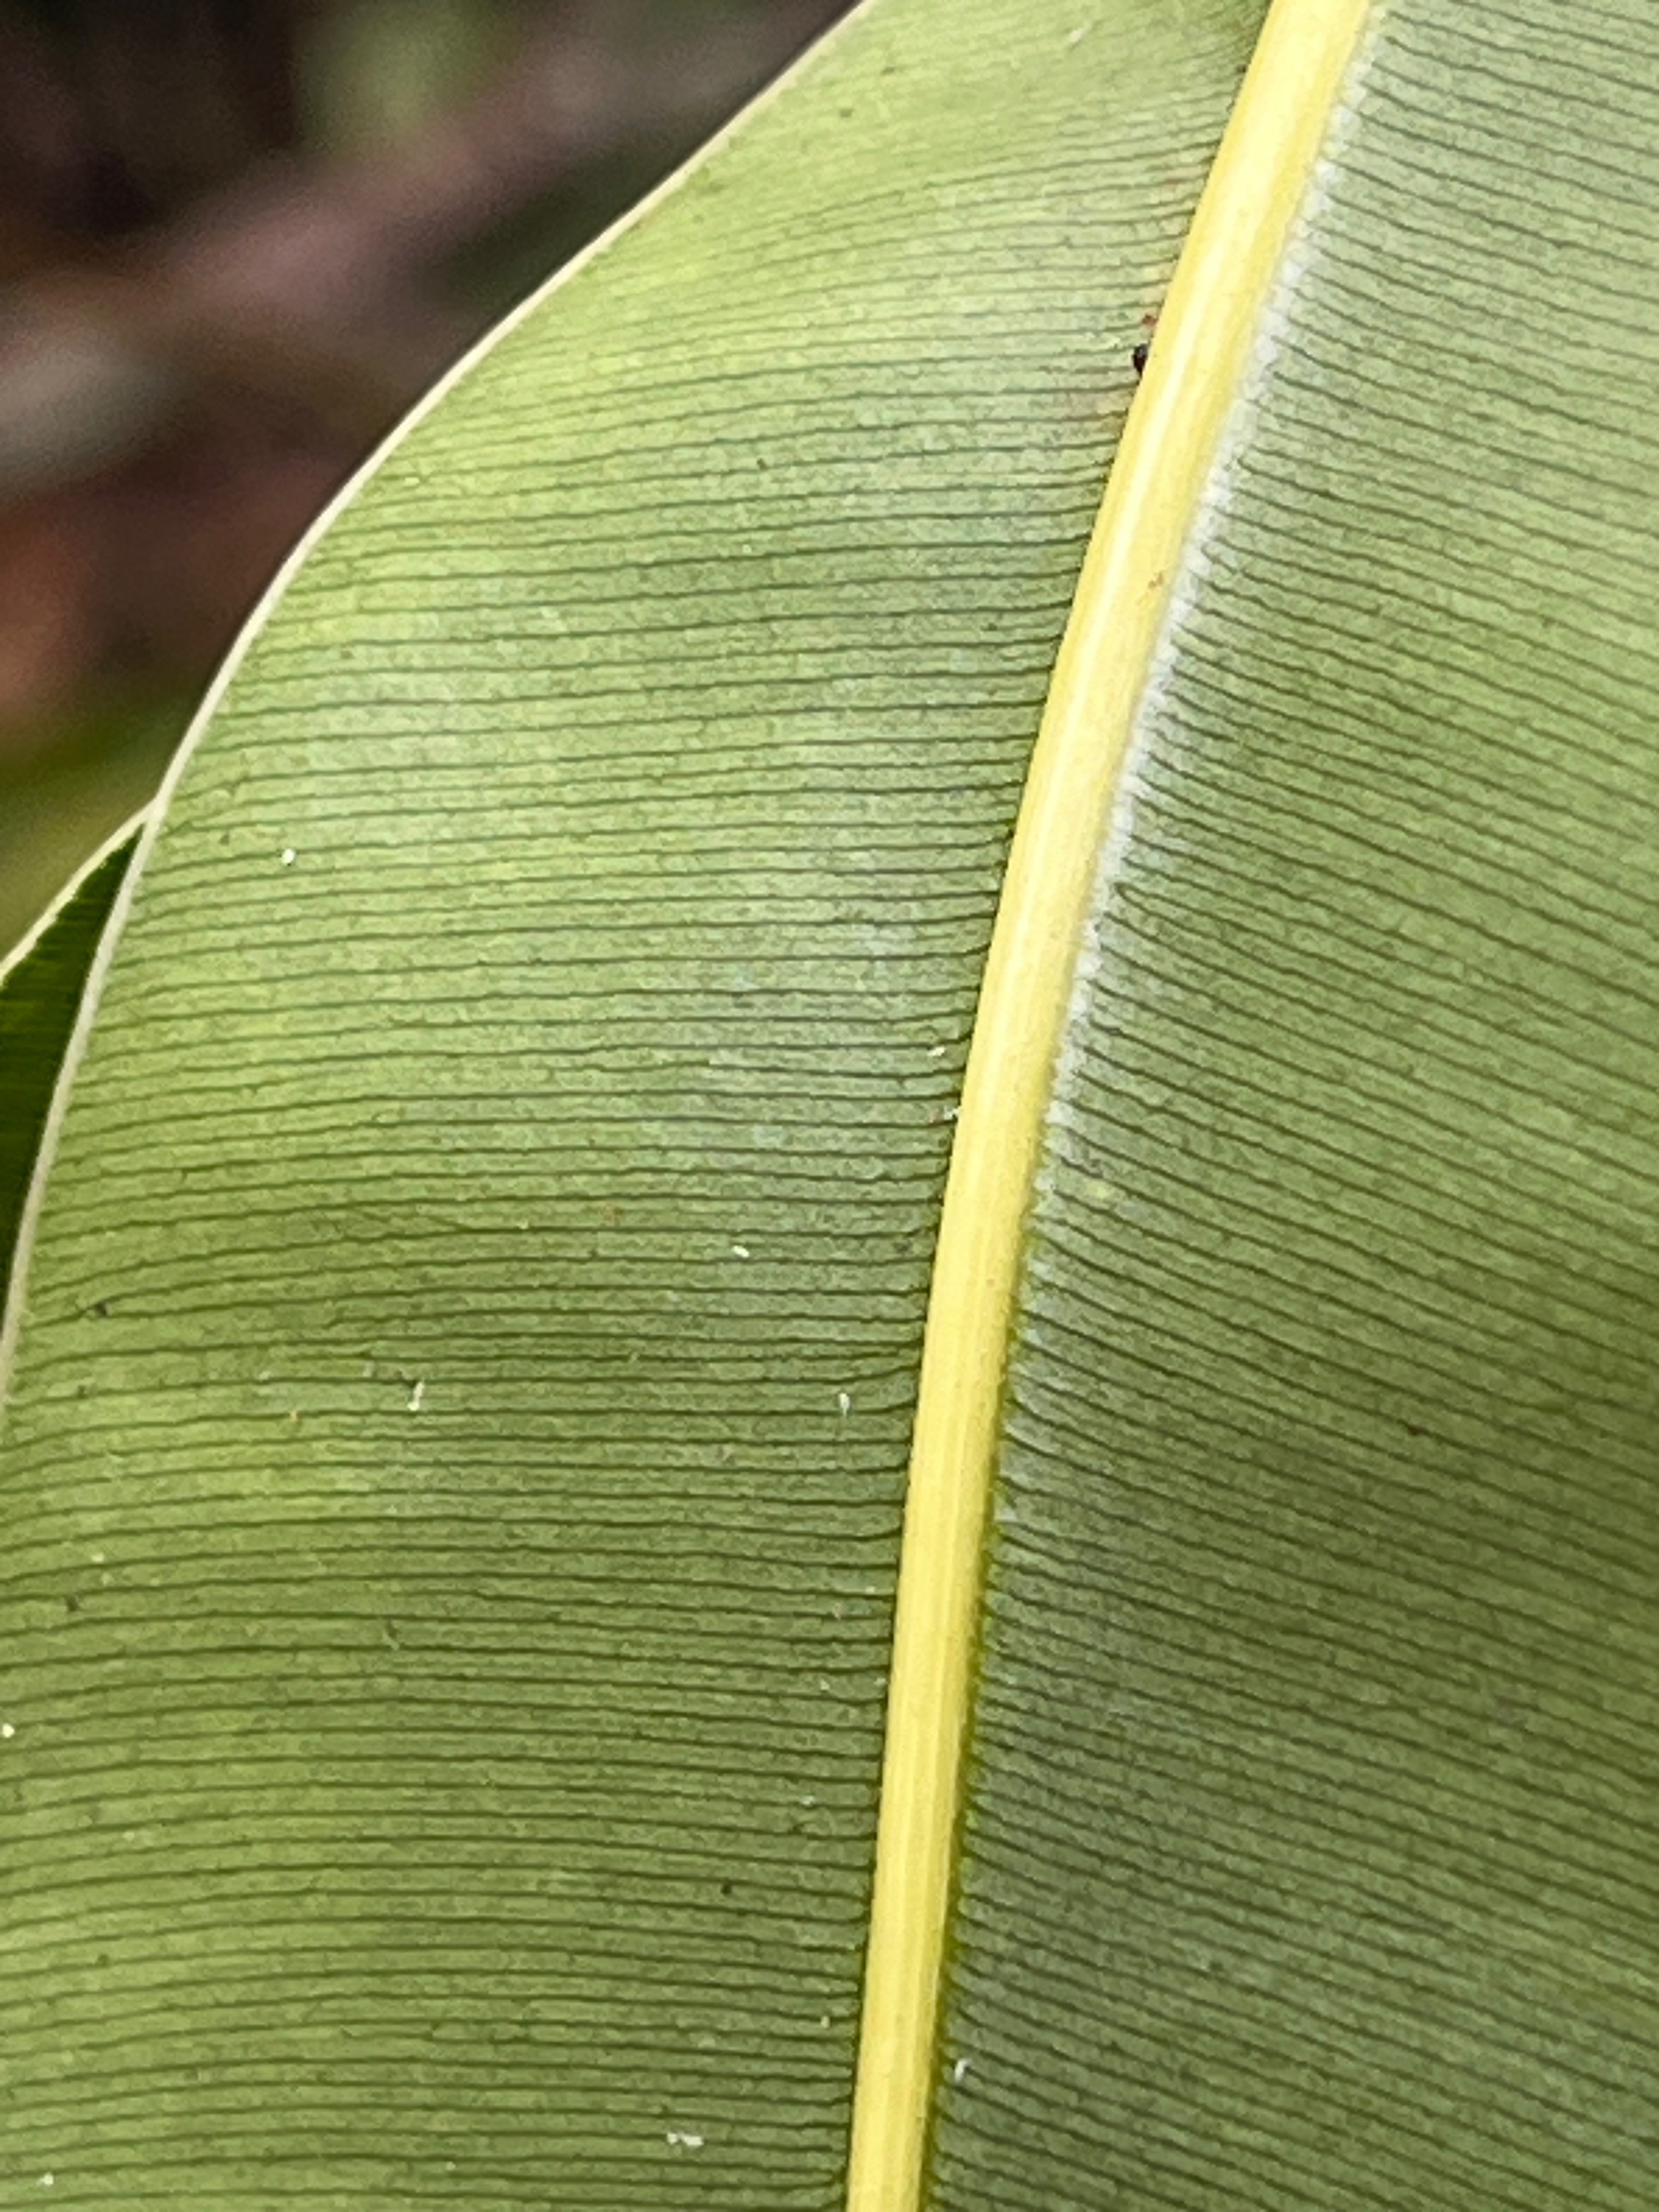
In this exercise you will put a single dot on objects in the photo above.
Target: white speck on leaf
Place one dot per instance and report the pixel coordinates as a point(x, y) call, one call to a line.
point(289, 856)
point(416, 1397)
point(7, 1731)
point(844, 1400)
point(682, 2139)
point(47, 2180)
point(739, 1251)
point(936, 1051)
point(959, 2071)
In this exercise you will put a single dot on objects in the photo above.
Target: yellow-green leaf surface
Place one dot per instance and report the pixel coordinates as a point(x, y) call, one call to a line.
point(1308, 1856)
point(41, 987)
point(457, 1439)
point(498, 1245)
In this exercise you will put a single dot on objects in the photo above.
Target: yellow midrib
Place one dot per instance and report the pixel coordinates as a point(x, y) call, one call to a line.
point(1205, 336)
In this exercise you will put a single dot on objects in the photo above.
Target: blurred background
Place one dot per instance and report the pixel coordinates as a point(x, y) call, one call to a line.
point(237, 238)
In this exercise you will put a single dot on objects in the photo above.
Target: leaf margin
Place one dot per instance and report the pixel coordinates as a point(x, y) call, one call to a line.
point(155, 816)
point(36, 942)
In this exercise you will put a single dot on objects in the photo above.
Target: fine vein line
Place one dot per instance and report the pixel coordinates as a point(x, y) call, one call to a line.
point(1205, 339)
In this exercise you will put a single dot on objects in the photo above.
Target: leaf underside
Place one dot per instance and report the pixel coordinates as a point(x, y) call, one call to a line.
point(457, 1439)
point(1308, 1850)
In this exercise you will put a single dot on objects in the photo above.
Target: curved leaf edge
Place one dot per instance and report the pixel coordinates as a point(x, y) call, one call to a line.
point(42, 984)
point(19, 1244)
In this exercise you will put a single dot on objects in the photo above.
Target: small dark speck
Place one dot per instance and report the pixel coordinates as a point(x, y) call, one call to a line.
point(1138, 356)
point(71, 1604)
point(101, 1308)
point(1412, 1429)
point(726, 1888)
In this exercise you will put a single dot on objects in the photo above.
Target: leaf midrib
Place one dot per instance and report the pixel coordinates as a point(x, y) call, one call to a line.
point(1076, 804)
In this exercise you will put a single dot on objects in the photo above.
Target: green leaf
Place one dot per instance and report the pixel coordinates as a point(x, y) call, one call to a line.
point(500, 1240)
point(457, 1439)
point(41, 987)
point(1308, 1849)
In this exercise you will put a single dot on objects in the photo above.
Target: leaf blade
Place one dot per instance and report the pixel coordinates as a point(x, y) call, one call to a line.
point(508, 1153)
point(40, 985)
point(1306, 1854)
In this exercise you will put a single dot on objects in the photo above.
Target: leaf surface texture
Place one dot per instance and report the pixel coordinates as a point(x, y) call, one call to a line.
point(1307, 1856)
point(458, 1431)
